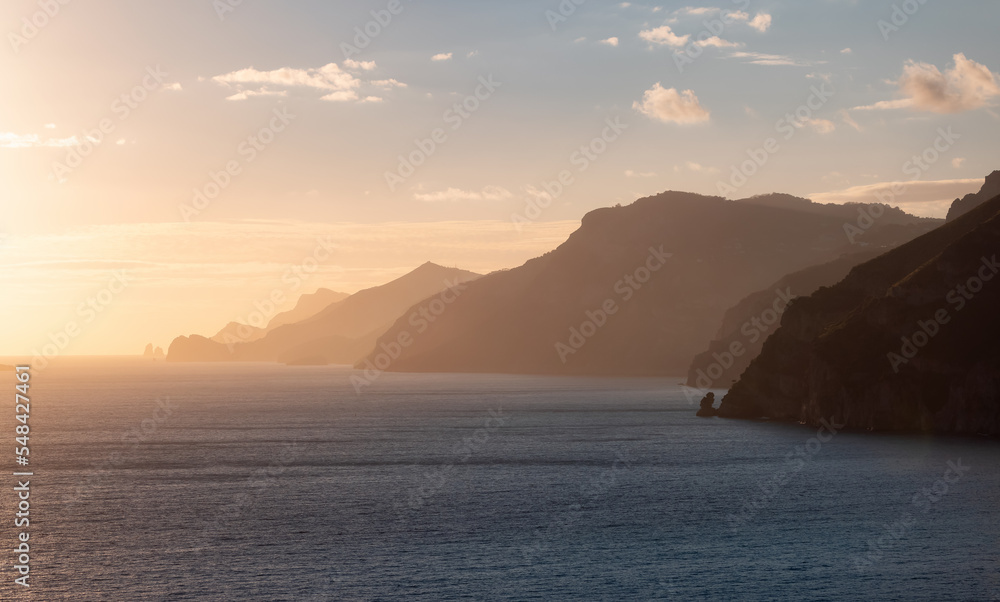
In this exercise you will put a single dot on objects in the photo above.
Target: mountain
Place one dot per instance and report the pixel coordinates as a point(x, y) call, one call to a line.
point(340, 333)
point(306, 307)
point(906, 342)
point(238, 332)
point(970, 201)
point(887, 215)
point(636, 290)
point(750, 322)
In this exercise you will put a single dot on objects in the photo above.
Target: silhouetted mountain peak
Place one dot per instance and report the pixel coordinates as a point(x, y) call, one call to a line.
point(780, 200)
point(990, 189)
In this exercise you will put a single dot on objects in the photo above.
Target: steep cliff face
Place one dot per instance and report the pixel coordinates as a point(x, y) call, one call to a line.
point(750, 322)
point(906, 342)
point(970, 201)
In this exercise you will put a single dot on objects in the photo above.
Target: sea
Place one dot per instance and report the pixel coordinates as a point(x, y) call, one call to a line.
point(162, 481)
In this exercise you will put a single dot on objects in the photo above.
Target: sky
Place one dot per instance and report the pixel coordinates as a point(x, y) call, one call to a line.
point(204, 147)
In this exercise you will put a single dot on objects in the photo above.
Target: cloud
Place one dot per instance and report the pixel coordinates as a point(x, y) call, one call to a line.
point(327, 77)
point(695, 11)
point(846, 51)
point(664, 36)
point(885, 105)
point(670, 106)
point(610, 41)
point(846, 118)
point(966, 86)
point(362, 65)
point(174, 87)
point(760, 58)
point(717, 42)
point(388, 83)
point(245, 94)
point(12, 140)
point(823, 126)
point(695, 167)
point(639, 174)
point(761, 22)
point(335, 84)
point(50, 126)
point(488, 193)
point(957, 162)
point(444, 56)
point(928, 198)
point(341, 96)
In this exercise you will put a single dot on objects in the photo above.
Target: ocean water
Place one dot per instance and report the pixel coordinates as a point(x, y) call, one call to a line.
point(158, 481)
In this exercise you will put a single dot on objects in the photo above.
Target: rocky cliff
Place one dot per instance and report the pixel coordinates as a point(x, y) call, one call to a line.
point(906, 342)
point(970, 201)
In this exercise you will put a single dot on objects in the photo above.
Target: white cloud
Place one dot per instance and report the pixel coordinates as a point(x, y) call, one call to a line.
point(336, 84)
point(372, 100)
point(717, 42)
point(174, 87)
point(761, 22)
point(885, 105)
point(846, 51)
point(444, 56)
point(388, 83)
point(488, 193)
point(610, 41)
point(966, 86)
point(695, 11)
point(664, 36)
point(760, 58)
point(245, 94)
point(670, 106)
point(927, 198)
point(471, 54)
point(327, 77)
point(50, 126)
point(341, 96)
point(361, 65)
point(12, 140)
point(823, 126)
point(957, 162)
point(639, 174)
